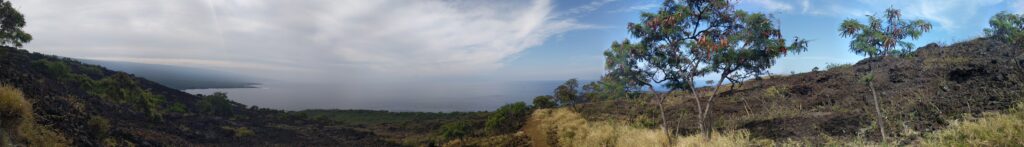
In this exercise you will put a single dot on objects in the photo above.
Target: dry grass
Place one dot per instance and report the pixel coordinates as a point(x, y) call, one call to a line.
point(569, 129)
point(561, 127)
point(18, 123)
point(990, 130)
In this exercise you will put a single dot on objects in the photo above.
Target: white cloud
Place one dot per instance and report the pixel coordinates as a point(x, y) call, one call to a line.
point(386, 36)
point(593, 5)
point(771, 5)
point(643, 7)
point(1018, 6)
point(948, 14)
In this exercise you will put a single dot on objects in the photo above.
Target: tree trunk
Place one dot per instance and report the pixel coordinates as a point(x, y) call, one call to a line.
point(878, 112)
point(661, 108)
point(707, 110)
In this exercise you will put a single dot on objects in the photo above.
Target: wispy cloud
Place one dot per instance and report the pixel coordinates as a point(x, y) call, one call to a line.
point(422, 37)
point(589, 7)
point(643, 7)
point(771, 5)
point(1018, 6)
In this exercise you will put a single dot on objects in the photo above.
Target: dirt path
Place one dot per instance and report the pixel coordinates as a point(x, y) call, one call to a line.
point(534, 130)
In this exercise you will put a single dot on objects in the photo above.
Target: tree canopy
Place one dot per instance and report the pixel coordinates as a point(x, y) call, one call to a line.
point(1007, 26)
point(11, 22)
point(685, 39)
point(882, 37)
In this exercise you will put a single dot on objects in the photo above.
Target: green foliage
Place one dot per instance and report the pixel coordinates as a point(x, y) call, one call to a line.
point(123, 88)
point(831, 66)
point(751, 50)
point(99, 126)
point(178, 108)
point(990, 130)
point(11, 22)
point(567, 93)
point(457, 129)
point(507, 118)
point(1007, 26)
point(239, 132)
point(605, 89)
point(217, 104)
point(545, 101)
point(882, 37)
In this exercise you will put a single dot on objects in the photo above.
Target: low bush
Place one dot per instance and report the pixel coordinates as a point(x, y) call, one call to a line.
point(124, 89)
point(508, 118)
point(239, 131)
point(99, 127)
point(457, 129)
point(217, 104)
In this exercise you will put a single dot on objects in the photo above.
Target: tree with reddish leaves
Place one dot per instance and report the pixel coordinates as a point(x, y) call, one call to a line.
point(686, 39)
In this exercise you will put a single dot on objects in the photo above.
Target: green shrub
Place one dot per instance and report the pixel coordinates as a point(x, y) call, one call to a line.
point(545, 101)
point(457, 129)
point(178, 108)
point(124, 89)
point(216, 104)
point(508, 118)
point(240, 131)
point(99, 126)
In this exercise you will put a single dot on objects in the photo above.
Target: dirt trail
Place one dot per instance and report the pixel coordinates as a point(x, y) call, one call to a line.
point(535, 132)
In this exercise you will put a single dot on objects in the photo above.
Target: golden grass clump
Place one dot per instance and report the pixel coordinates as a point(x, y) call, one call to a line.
point(14, 109)
point(561, 127)
point(18, 123)
point(989, 130)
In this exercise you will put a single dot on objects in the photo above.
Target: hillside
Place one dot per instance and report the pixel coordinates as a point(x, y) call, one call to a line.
point(88, 105)
point(919, 93)
point(178, 77)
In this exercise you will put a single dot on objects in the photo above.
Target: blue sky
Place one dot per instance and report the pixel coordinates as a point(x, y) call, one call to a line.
point(425, 55)
point(578, 52)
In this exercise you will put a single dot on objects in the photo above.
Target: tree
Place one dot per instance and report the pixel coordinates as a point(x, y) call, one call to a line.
point(879, 39)
point(11, 22)
point(686, 39)
point(507, 118)
point(544, 101)
point(882, 37)
point(567, 93)
point(1007, 26)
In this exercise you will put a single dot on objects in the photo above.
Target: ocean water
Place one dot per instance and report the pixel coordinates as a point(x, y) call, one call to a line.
point(423, 98)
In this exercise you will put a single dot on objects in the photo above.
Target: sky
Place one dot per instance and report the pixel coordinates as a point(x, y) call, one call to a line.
point(398, 49)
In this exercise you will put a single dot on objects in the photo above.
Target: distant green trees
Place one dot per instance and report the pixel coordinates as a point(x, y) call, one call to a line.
point(216, 104)
point(11, 22)
point(1007, 26)
point(544, 101)
point(883, 37)
point(567, 94)
point(507, 118)
point(688, 39)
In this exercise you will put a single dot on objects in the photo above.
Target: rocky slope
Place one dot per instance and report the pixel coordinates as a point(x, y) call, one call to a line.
point(918, 93)
point(66, 95)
